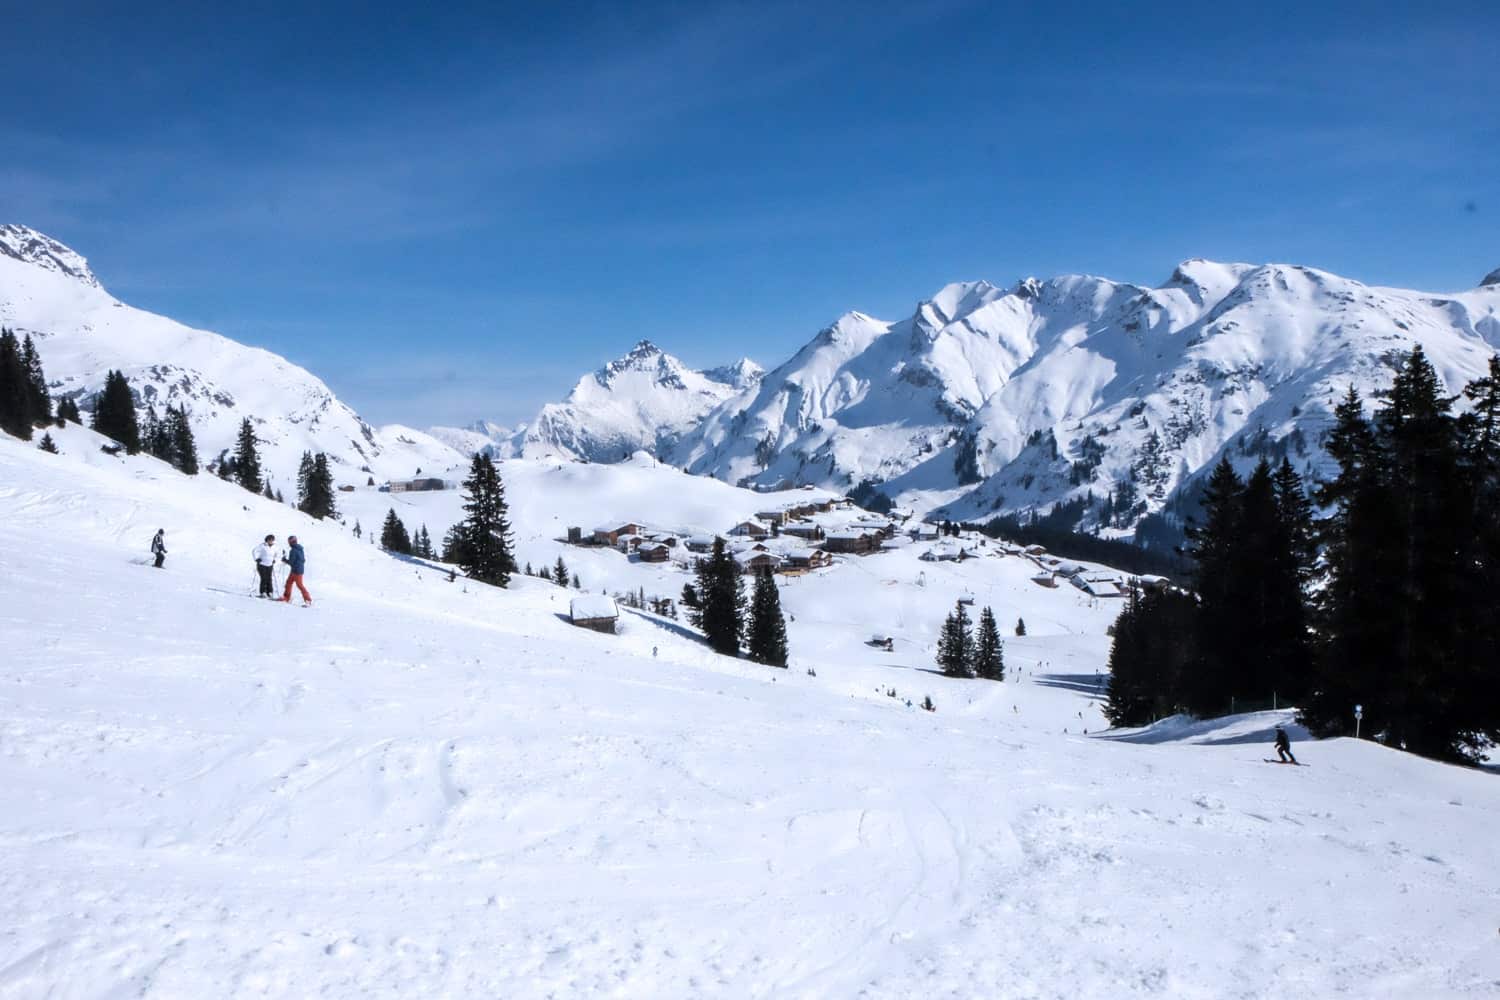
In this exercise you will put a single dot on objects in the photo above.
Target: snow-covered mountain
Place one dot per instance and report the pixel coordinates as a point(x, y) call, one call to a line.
point(988, 401)
point(644, 401)
point(81, 332)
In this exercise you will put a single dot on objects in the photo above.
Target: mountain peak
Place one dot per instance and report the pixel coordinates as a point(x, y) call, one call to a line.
point(740, 374)
point(31, 247)
point(1493, 278)
point(956, 300)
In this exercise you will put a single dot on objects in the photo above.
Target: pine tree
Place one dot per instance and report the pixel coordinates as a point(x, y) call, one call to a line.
point(722, 593)
point(114, 412)
point(246, 458)
point(1222, 633)
point(184, 448)
point(989, 652)
point(268, 493)
point(455, 547)
point(39, 399)
point(1020, 626)
point(393, 536)
point(67, 409)
point(578, 584)
point(315, 493)
point(486, 532)
point(545, 573)
point(304, 482)
point(47, 444)
point(690, 600)
point(15, 389)
point(560, 572)
point(955, 653)
point(1151, 653)
point(767, 632)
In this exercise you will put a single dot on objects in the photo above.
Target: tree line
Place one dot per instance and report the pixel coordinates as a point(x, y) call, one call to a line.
point(1385, 600)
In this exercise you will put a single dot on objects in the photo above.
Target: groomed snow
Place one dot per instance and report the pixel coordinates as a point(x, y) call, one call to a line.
point(421, 788)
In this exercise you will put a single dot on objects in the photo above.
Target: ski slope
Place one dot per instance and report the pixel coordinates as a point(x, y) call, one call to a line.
point(421, 788)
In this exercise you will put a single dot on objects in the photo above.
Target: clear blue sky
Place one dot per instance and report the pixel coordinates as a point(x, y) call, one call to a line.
point(452, 213)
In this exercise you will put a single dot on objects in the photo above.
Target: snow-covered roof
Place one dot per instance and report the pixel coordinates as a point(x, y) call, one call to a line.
point(593, 606)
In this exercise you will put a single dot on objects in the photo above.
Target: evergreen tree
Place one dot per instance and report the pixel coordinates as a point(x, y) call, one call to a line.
point(154, 440)
point(67, 409)
point(114, 412)
point(689, 600)
point(39, 399)
point(989, 652)
point(486, 531)
point(246, 458)
point(15, 389)
point(578, 584)
point(455, 547)
point(48, 445)
point(1151, 653)
point(560, 572)
point(1020, 626)
point(304, 482)
point(315, 493)
point(1221, 622)
point(393, 536)
point(722, 594)
point(184, 448)
point(955, 653)
point(766, 642)
point(545, 573)
point(268, 493)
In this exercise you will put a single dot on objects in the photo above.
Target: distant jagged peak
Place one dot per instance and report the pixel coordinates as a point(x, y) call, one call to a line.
point(1493, 278)
point(959, 299)
point(740, 374)
point(643, 357)
point(31, 247)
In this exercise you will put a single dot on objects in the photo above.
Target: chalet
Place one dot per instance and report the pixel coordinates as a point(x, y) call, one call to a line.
point(416, 485)
point(857, 542)
point(628, 543)
point(1036, 550)
point(946, 551)
point(610, 534)
point(699, 543)
point(594, 611)
point(654, 552)
point(805, 530)
point(760, 562)
point(750, 529)
point(924, 533)
point(804, 560)
point(776, 517)
point(346, 488)
point(1097, 584)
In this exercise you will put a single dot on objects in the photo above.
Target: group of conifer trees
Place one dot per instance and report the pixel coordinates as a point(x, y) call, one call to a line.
point(171, 439)
point(394, 538)
point(25, 401)
point(717, 605)
point(315, 486)
point(557, 573)
point(964, 652)
point(1386, 602)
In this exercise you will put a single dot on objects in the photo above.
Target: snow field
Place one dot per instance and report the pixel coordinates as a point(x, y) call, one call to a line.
point(425, 788)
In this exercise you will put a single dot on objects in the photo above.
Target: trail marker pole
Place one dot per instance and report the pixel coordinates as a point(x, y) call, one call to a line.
point(1359, 713)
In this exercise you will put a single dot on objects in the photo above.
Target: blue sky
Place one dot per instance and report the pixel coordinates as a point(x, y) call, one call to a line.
point(453, 213)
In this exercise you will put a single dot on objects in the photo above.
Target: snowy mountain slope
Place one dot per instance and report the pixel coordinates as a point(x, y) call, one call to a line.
point(643, 401)
point(1145, 399)
point(422, 788)
point(988, 401)
point(81, 332)
point(482, 436)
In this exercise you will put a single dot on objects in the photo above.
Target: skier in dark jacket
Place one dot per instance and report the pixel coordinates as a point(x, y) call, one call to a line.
point(159, 547)
point(296, 561)
point(1284, 747)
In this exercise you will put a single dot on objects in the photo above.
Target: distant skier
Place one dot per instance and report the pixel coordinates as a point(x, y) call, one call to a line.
point(296, 560)
point(159, 547)
point(265, 560)
point(1284, 747)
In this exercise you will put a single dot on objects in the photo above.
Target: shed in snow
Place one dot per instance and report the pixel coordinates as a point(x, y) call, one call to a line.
point(594, 611)
point(654, 552)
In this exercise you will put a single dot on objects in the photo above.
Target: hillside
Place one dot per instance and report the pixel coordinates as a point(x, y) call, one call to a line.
point(81, 332)
point(419, 787)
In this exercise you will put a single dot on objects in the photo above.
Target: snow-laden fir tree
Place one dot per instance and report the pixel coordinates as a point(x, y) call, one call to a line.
point(47, 444)
point(486, 531)
point(766, 642)
point(247, 458)
point(955, 652)
point(114, 412)
point(15, 393)
point(989, 653)
point(721, 591)
point(39, 398)
point(180, 431)
point(560, 573)
point(393, 536)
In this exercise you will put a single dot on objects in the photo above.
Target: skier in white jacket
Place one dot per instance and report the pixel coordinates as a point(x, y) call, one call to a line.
point(265, 561)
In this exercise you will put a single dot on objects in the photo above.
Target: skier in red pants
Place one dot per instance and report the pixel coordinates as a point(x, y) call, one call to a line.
point(296, 559)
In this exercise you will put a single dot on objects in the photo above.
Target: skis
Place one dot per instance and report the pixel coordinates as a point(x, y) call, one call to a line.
point(1293, 763)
